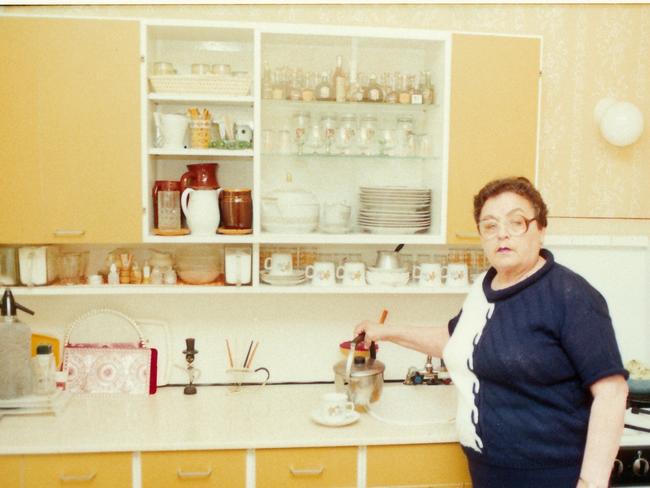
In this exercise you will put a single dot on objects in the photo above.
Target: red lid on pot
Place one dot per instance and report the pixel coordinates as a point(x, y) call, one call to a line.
point(361, 346)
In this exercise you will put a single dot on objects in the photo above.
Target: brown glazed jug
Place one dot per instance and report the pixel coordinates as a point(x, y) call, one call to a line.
point(236, 208)
point(200, 176)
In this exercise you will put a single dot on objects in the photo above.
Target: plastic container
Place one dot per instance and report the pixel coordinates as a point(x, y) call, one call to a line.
point(43, 370)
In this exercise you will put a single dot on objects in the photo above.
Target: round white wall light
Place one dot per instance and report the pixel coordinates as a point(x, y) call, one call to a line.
point(621, 123)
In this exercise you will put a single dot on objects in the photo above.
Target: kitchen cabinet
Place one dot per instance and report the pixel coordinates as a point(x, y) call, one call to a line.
point(224, 469)
point(493, 120)
point(306, 467)
point(97, 470)
point(10, 471)
point(70, 130)
point(433, 465)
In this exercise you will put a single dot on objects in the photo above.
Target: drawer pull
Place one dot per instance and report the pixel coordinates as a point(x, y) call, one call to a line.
point(76, 478)
point(193, 474)
point(467, 235)
point(306, 471)
point(69, 232)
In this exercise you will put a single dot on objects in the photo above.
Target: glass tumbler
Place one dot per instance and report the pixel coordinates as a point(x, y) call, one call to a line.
point(301, 121)
point(328, 124)
point(72, 267)
point(346, 133)
point(368, 135)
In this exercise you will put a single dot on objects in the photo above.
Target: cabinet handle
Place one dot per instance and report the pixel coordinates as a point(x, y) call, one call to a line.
point(306, 471)
point(75, 478)
point(193, 474)
point(467, 235)
point(69, 232)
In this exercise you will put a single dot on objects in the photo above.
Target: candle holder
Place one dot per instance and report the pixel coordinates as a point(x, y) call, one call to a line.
point(192, 373)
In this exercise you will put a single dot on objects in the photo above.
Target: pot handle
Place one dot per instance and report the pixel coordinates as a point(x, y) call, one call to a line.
point(353, 348)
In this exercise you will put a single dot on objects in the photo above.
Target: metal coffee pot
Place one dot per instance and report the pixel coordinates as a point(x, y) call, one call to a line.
point(361, 378)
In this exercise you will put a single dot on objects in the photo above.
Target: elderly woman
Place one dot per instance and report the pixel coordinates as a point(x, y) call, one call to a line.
point(541, 387)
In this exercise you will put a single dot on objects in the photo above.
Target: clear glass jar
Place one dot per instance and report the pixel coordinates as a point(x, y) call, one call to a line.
point(373, 92)
point(346, 133)
point(368, 142)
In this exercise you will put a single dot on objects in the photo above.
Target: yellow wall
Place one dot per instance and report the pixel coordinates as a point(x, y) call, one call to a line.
point(590, 51)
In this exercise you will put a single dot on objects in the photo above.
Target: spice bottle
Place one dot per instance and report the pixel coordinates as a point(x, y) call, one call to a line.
point(43, 370)
point(113, 276)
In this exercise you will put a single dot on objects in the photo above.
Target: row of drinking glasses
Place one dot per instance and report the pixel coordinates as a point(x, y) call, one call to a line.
point(348, 134)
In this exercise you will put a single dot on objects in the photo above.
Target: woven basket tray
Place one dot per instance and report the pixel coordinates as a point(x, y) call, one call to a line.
point(213, 84)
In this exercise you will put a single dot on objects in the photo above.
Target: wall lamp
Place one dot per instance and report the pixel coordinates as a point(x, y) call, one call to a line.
point(621, 123)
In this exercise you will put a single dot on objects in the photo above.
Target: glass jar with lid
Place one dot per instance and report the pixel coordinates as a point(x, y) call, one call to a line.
point(346, 133)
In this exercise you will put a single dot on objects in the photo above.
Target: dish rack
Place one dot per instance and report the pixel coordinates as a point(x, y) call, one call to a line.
point(217, 84)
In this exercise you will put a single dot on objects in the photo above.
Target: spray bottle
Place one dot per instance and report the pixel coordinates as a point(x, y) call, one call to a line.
point(15, 350)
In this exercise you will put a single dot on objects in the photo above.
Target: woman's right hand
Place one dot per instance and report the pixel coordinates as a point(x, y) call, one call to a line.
point(373, 331)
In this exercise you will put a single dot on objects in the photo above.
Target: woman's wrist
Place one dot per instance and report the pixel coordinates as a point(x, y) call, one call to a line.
point(584, 483)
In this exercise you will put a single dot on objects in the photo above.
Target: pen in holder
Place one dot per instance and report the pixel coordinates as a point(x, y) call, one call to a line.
point(192, 373)
point(239, 377)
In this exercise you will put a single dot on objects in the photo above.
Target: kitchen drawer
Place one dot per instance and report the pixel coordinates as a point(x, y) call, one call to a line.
point(194, 468)
point(109, 470)
point(10, 471)
point(308, 467)
point(434, 465)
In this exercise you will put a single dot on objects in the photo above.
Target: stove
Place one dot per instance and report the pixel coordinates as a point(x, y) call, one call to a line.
point(632, 464)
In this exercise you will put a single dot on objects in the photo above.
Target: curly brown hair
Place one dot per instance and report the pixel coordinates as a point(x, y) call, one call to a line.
point(519, 185)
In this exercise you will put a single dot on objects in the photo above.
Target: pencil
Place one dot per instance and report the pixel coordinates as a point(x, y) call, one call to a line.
point(248, 354)
point(230, 364)
point(250, 360)
point(384, 314)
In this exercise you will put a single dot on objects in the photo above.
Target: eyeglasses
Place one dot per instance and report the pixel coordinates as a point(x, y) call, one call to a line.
point(515, 226)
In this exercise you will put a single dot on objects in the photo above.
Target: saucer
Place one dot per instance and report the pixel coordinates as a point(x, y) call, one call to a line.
point(350, 417)
point(283, 280)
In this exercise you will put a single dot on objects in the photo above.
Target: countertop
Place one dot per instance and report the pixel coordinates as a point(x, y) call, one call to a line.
point(272, 416)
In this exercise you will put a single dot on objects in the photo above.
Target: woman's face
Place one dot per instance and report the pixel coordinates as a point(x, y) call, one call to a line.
point(501, 218)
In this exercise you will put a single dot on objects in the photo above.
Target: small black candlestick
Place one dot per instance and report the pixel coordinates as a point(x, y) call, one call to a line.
point(190, 352)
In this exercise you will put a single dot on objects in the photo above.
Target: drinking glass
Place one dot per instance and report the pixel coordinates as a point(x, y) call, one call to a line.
point(368, 135)
point(301, 121)
point(386, 141)
point(346, 133)
point(314, 139)
point(328, 124)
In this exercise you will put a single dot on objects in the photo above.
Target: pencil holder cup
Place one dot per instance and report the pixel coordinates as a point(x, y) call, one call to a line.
point(239, 377)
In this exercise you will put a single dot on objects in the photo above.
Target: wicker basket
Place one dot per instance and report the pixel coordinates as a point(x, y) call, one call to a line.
point(213, 84)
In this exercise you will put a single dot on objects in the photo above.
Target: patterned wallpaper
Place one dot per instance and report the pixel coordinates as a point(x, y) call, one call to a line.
point(590, 52)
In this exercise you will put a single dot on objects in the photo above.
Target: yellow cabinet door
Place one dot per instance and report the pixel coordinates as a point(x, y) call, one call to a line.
point(70, 130)
point(10, 471)
point(435, 465)
point(223, 469)
point(106, 470)
point(493, 120)
point(306, 467)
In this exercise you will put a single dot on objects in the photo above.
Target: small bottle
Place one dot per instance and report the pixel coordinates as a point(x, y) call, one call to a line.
point(416, 91)
point(156, 276)
point(267, 82)
point(113, 275)
point(339, 81)
point(135, 278)
point(373, 92)
point(392, 96)
point(170, 277)
point(308, 93)
point(428, 93)
point(146, 273)
point(43, 370)
point(279, 88)
point(295, 87)
point(404, 90)
point(355, 91)
point(324, 89)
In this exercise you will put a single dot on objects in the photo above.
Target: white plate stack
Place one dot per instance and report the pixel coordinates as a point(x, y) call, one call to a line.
point(394, 209)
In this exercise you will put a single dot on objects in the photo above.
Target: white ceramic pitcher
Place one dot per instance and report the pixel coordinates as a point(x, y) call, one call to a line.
point(201, 211)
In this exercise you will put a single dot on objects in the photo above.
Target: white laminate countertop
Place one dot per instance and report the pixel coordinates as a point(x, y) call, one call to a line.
point(272, 416)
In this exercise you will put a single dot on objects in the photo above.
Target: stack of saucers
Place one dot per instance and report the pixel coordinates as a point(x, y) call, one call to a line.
point(394, 209)
point(296, 277)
